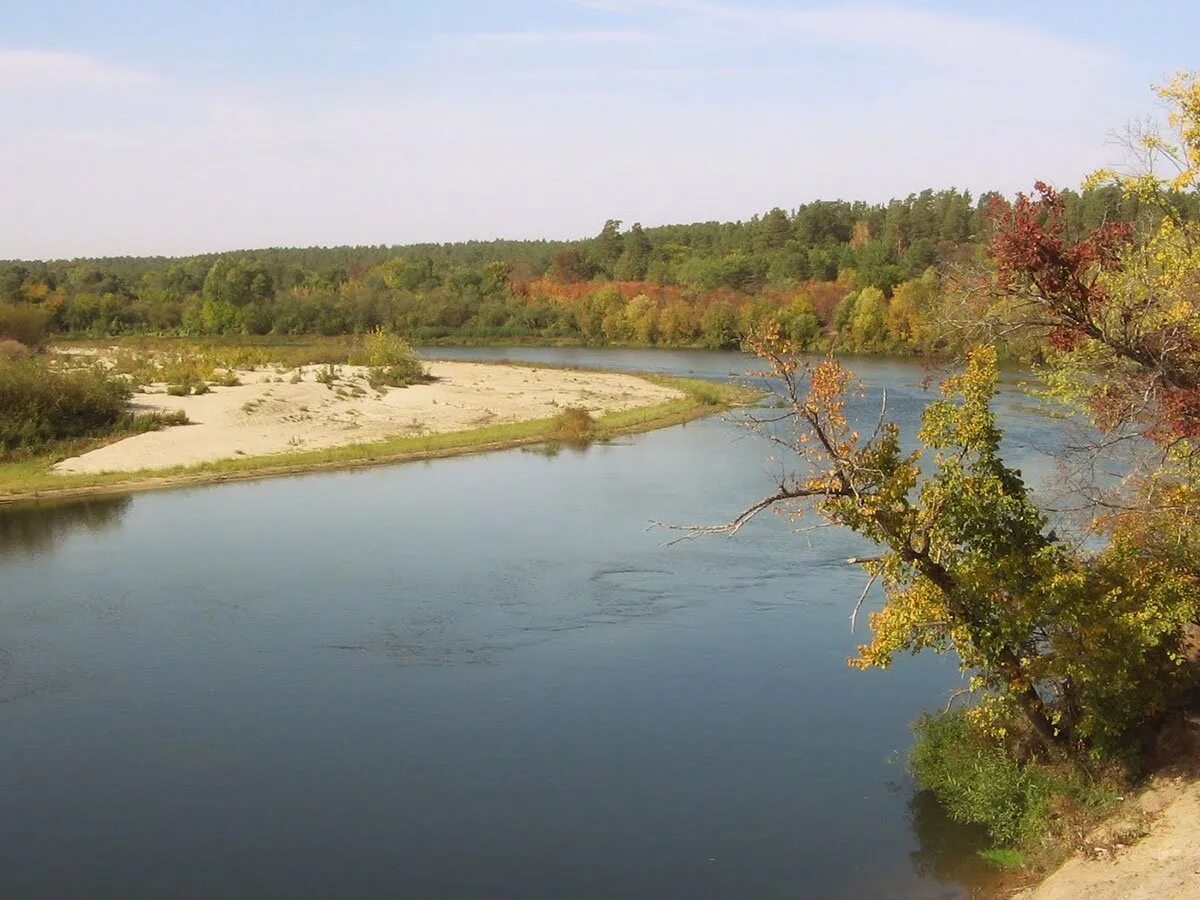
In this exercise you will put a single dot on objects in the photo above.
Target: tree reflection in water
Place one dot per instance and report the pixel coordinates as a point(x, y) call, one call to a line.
point(947, 851)
point(36, 528)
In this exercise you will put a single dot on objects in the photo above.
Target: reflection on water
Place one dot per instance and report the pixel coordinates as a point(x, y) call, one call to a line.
point(39, 527)
point(475, 677)
point(947, 851)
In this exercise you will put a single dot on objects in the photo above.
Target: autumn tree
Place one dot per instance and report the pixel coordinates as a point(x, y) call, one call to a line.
point(908, 312)
point(1075, 649)
point(571, 265)
point(1120, 310)
point(679, 323)
point(1060, 638)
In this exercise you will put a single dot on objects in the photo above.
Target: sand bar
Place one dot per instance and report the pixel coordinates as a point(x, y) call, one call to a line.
point(269, 414)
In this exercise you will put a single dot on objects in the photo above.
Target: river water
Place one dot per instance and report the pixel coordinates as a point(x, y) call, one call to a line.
point(478, 677)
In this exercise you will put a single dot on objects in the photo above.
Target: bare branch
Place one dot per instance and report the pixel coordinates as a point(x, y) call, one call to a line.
point(733, 526)
point(954, 695)
point(882, 414)
point(861, 598)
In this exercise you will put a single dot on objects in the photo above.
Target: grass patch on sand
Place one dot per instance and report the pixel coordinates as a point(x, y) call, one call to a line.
point(30, 478)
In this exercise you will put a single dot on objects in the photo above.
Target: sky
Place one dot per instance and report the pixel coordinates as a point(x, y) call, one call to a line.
point(142, 128)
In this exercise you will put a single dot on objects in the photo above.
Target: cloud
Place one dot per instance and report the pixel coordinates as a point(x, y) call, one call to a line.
point(982, 45)
point(666, 110)
point(22, 70)
point(543, 38)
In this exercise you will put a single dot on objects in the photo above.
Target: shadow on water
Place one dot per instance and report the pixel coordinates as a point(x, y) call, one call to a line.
point(948, 851)
point(37, 529)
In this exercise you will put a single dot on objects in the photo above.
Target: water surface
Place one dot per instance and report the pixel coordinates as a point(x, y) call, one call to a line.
point(477, 677)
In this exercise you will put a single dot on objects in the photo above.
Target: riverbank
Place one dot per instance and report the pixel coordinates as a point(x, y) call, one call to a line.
point(1148, 846)
point(1150, 852)
point(468, 408)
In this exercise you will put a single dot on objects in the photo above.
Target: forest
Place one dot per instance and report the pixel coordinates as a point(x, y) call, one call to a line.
point(847, 276)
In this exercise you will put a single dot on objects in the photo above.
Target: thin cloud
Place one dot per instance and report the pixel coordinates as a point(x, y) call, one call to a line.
point(981, 44)
point(588, 36)
point(22, 70)
point(664, 111)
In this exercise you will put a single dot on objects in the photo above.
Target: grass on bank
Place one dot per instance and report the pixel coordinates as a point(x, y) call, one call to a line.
point(976, 780)
point(32, 477)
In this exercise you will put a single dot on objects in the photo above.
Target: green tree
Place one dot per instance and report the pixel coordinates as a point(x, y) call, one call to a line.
point(635, 256)
point(867, 329)
point(608, 245)
point(897, 226)
point(799, 322)
point(968, 564)
point(720, 326)
point(774, 231)
point(643, 316)
point(238, 282)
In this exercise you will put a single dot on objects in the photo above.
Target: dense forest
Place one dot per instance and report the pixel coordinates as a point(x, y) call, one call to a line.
point(853, 276)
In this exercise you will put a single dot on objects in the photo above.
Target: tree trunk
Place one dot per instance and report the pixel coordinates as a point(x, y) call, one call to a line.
point(1030, 701)
point(1008, 663)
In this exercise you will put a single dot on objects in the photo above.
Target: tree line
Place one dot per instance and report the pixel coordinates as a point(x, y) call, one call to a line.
point(848, 275)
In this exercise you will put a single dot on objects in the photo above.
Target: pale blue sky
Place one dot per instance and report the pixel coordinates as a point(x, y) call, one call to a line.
point(154, 127)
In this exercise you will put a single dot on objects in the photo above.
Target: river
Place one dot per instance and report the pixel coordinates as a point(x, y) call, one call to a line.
point(479, 677)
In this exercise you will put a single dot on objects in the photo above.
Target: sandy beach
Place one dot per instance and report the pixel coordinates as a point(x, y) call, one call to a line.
point(268, 413)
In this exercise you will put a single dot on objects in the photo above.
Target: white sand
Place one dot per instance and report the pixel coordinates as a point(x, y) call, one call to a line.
point(264, 415)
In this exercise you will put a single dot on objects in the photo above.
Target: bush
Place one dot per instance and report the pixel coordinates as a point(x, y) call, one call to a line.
point(707, 395)
point(976, 780)
point(152, 421)
point(188, 385)
point(10, 349)
point(391, 360)
point(573, 425)
point(28, 325)
point(40, 406)
point(328, 375)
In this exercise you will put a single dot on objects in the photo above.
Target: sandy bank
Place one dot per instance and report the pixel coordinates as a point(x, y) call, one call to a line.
point(1163, 865)
point(269, 414)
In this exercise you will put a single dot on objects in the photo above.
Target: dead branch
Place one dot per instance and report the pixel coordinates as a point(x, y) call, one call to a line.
point(861, 597)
